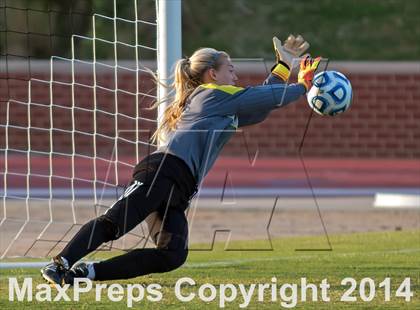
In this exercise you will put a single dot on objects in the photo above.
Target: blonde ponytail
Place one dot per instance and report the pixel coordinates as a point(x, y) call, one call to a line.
point(188, 76)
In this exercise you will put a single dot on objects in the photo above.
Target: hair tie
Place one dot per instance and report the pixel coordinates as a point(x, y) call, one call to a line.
point(187, 59)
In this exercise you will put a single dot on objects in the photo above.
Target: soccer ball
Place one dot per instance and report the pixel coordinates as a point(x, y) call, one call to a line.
point(330, 94)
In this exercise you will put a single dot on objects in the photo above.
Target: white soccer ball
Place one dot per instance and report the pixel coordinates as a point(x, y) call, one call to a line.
point(330, 94)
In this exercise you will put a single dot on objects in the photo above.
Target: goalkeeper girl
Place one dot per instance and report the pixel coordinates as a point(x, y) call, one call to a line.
point(206, 111)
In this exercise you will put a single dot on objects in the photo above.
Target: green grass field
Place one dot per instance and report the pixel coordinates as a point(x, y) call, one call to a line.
point(374, 255)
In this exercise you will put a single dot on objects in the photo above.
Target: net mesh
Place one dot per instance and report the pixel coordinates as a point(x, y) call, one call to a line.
point(72, 127)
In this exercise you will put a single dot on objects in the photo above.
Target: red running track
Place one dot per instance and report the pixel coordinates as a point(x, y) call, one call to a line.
point(265, 173)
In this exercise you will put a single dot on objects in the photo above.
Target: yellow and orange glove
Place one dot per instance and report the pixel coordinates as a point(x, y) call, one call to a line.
point(307, 70)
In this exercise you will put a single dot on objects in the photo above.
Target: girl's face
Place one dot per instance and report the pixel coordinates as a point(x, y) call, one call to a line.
point(225, 74)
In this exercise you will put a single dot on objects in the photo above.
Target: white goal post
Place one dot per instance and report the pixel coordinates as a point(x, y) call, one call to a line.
point(169, 44)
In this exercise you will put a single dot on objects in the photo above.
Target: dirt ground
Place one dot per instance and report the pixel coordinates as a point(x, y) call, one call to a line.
point(209, 220)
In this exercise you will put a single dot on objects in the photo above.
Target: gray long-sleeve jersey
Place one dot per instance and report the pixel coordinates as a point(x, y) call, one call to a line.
point(213, 113)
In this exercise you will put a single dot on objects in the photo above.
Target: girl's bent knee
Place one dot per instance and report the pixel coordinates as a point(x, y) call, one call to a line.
point(174, 258)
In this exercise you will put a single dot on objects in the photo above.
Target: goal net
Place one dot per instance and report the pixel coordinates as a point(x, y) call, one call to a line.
point(72, 126)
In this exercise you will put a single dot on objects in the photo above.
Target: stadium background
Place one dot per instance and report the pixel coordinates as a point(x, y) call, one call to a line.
point(383, 122)
point(375, 44)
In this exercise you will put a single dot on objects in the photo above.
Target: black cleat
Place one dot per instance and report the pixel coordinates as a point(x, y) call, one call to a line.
point(55, 271)
point(79, 270)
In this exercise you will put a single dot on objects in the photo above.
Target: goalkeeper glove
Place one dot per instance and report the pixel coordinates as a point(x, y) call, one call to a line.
point(281, 70)
point(307, 70)
point(291, 49)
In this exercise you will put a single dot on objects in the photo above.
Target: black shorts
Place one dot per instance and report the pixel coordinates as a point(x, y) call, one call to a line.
point(157, 166)
point(161, 183)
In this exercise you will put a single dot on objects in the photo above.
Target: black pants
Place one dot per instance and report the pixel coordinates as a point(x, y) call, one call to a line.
point(162, 187)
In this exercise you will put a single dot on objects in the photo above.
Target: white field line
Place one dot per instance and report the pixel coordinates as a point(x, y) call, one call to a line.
point(236, 192)
point(232, 262)
point(235, 262)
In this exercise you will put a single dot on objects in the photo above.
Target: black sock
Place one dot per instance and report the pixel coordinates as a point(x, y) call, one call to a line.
point(87, 239)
